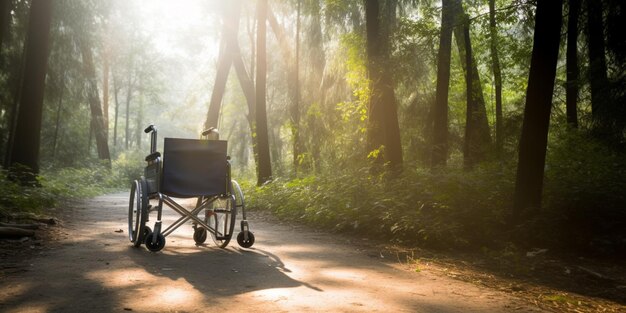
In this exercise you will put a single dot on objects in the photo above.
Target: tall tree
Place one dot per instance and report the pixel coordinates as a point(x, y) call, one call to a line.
point(295, 107)
point(479, 140)
point(139, 111)
point(230, 56)
point(97, 118)
point(440, 110)
point(314, 69)
point(497, 74)
point(475, 142)
point(230, 31)
point(292, 64)
point(25, 149)
point(7, 121)
point(57, 124)
point(105, 79)
point(5, 20)
point(130, 84)
point(264, 167)
point(116, 91)
point(598, 80)
point(571, 91)
point(383, 131)
point(534, 138)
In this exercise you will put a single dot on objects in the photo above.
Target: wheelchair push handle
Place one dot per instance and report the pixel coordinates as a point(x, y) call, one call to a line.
point(153, 138)
point(149, 129)
point(211, 133)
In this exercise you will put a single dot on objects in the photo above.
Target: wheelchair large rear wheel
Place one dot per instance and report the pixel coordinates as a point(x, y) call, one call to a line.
point(221, 220)
point(137, 212)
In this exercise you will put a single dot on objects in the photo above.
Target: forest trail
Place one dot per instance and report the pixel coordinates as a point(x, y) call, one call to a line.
point(94, 268)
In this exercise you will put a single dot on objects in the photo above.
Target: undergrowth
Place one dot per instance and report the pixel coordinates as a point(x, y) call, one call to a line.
point(57, 185)
point(438, 209)
point(584, 208)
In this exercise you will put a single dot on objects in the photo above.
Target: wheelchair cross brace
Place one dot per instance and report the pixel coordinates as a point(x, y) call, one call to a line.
point(186, 215)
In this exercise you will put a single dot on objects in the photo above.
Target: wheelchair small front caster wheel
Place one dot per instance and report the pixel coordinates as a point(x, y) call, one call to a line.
point(147, 231)
point(155, 246)
point(199, 235)
point(243, 242)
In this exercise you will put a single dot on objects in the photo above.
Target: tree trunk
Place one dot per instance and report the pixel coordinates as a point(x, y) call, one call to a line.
point(245, 80)
point(116, 90)
point(471, 152)
point(317, 64)
point(292, 64)
point(230, 30)
point(534, 138)
point(97, 119)
point(139, 115)
point(15, 232)
point(440, 110)
point(497, 76)
point(571, 88)
point(230, 55)
point(264, 165)
point(90, 137)
point(105, 90)
point(247, 86)
point(13, 110)
point(252, 36)
point(598, 81)
point(129, 94)
point(5, 21)
point(383, 132)
point(25, 150)
point(58, 117)
point(295, 109)
point(480, 139)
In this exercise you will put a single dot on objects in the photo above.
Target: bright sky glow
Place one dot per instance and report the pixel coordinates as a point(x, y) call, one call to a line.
point(186, 36)
point(170, 21)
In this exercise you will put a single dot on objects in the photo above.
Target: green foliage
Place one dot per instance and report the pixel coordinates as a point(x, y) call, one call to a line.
point(74, 183)
point(57, 185)
point(127, 167)
point(584, 201)
point(438, 209)
point(15, 197)
point(584, 189)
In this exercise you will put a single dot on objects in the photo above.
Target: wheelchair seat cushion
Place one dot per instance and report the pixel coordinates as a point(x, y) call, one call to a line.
point(193, 168)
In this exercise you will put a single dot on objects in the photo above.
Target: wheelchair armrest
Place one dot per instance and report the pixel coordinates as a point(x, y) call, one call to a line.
point(153, 156)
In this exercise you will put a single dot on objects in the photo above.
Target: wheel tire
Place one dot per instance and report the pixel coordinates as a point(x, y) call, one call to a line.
point(158, 245)
point(200, 235)
point(137, 211)
point(133, 211)
point(241, 239)
point(222, 221)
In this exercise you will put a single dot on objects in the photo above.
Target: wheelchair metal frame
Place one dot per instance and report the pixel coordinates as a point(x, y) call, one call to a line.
point(149, 188)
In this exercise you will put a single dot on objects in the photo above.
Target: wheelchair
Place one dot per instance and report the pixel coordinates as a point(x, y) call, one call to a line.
point(188, 168)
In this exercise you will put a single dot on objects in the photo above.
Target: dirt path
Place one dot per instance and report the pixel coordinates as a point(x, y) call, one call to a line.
point(289, 269)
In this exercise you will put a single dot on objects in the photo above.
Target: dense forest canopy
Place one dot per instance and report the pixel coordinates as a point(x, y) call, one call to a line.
point(444, 122)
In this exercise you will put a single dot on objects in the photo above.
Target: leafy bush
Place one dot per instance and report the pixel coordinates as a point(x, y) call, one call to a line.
point(58, 185)
point(442, 209)
point(585, 191)
point(584, 206)
point(26, 199)
point(127, 167)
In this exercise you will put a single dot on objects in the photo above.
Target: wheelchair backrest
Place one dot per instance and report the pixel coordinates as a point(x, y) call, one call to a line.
point(193, 168)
